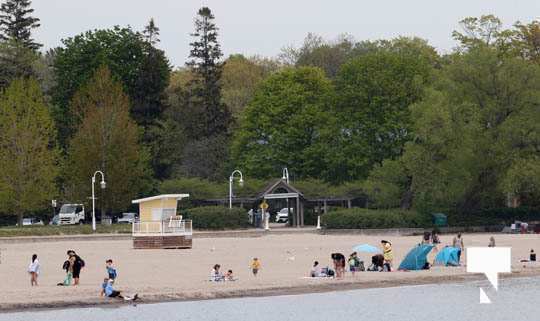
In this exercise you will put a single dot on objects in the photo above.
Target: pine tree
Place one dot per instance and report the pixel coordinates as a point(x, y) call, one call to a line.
point(205, 64)
point(151, 32)
point(16, 23)
point(28, 156)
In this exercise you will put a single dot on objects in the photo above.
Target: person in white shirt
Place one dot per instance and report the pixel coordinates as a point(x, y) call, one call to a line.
point(315, 270)
point(33, 269)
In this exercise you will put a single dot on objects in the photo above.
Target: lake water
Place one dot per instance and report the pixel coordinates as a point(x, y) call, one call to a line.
point(517, 299)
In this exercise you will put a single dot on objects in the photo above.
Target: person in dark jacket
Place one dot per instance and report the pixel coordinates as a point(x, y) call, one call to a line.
point(78, 264)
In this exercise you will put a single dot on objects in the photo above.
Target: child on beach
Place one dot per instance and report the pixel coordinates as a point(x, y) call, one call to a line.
point(255, 266)
point(229, 276)
point(33, 270)
point(108, 291)
point(68, 266)
point(111, 270)
point(216, 275)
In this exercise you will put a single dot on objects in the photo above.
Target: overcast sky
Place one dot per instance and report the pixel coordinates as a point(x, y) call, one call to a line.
point(264, 27)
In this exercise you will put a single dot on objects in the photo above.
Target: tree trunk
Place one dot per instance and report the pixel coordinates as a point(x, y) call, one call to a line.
point(20, 219)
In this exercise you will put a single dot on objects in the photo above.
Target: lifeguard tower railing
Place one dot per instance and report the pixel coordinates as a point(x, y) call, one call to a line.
point(173, 226)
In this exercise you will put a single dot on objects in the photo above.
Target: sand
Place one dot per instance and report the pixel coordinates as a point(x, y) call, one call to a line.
point(160, 275)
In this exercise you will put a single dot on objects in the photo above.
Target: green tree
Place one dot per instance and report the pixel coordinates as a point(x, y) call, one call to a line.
point(284, 125)
point(151, 32)
point(373, 93)
point(142, 69)
point(106, 140)
point(16, 23)
point(16, 61)
point(240, 78)
point(28, 156)
point(205, 89)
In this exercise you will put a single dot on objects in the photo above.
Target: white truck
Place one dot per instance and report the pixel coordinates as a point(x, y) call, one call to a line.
point(71, 214)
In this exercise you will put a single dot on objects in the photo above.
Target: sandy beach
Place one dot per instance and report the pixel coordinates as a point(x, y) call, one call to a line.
point(161, 275)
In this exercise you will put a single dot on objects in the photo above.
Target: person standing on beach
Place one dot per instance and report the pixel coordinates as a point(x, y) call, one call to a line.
point(339, 264)
point(33, 270)
point(111, 270)
point(388, 254)
point(255, 266)
point(491, 242)
point(78, 264)
point(457, 242)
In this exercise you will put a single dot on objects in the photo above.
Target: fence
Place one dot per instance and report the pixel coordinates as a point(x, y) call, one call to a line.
point(170, 227)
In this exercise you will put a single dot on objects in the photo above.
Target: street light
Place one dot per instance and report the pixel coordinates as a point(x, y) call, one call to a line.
point(103, 186)
point(231, 178)
point(285, 174)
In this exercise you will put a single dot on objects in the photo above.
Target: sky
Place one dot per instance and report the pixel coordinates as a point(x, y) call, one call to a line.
point(264, 27)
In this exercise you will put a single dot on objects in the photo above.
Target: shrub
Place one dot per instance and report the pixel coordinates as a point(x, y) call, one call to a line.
point(217, 217)
point(361, 218)
point(494, 216)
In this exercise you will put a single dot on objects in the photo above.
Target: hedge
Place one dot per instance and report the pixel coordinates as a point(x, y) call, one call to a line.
point(494, 216)
point(217, 217)
point(361, 218)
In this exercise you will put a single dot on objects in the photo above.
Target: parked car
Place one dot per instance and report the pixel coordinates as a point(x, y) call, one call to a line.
point(55, 220)
point(31, 221)
point(283, 215)
point(127, 218)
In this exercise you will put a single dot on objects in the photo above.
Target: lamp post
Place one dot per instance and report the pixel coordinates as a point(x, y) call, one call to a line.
point(240, 181)
point(103, 185)
point(285, 173)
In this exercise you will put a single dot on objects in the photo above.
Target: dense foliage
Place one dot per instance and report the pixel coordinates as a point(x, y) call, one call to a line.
point(360, 218)
point(389, 121)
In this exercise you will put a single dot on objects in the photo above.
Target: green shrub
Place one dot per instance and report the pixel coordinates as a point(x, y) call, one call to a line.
point(217, 217)
point(361, 218)
point(494, 216)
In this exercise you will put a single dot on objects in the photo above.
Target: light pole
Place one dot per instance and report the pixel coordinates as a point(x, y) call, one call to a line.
point(285, 173)
point(231, 178)
point(103, 185)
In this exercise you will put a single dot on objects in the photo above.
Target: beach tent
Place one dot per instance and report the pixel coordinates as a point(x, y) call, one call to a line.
point(448, 256)
point(416, 258)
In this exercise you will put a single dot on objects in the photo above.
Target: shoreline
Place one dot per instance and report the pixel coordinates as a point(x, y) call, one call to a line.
point(332, 286)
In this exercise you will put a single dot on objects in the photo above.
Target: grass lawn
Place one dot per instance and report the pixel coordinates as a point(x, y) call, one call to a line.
point(63, 230)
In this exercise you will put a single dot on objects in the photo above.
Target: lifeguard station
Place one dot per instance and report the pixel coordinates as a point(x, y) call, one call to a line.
point(158, 226)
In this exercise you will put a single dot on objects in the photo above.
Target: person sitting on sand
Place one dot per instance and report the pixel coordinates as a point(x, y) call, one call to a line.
point(339, 264)
point(315, 270)
point(229, 276)
point(491, 242)
point(426, 238)
point(216, 275)
point(532, 256)
point(108, 291)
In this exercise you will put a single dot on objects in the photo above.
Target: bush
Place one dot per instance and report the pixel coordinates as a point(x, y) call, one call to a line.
point(217, 217)
point(361, 218)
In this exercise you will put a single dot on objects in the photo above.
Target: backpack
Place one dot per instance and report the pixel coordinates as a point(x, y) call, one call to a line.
point(65, 266)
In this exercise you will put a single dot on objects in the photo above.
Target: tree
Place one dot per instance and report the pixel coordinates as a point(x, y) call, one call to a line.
point(16, 61)
point(151, 32)
point(240, 78)
point(284, 125)
point(373, 93)
point(28, 156)
point(16, 23)
point(142, 69)
point(106, 140)
point(205, 89)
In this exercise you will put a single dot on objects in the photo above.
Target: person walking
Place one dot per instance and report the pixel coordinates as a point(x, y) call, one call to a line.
point(255, 266)
point(33, 270)
point(457, 242)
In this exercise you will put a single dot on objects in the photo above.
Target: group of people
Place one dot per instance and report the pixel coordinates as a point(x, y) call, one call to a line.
point(73, 266)
point(217, 276)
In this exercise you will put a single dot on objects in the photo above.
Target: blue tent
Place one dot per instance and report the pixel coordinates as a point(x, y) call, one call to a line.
point(416, 258)
point(448, 256)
